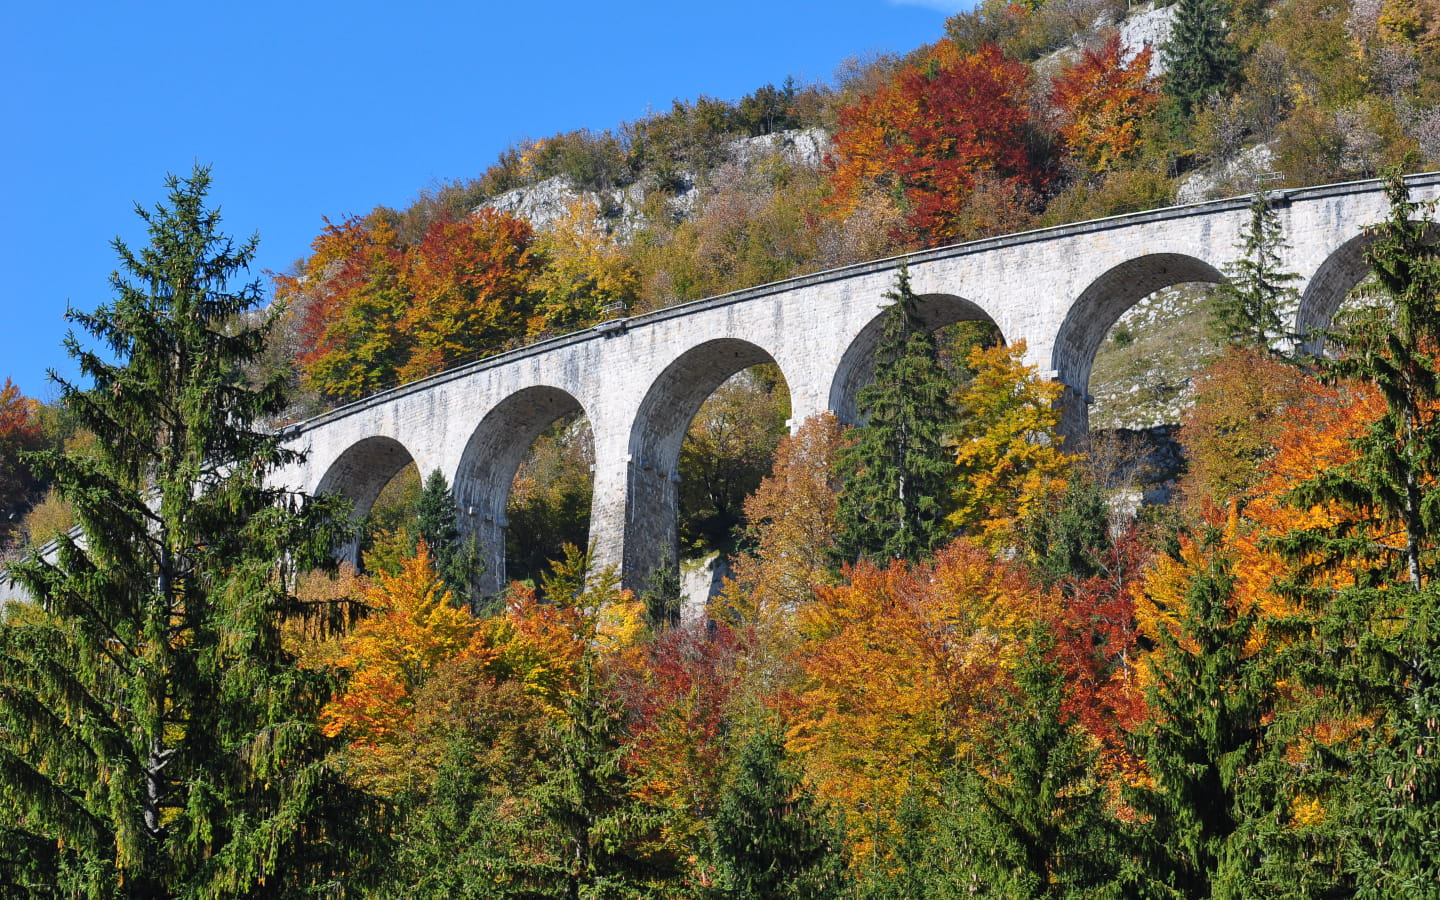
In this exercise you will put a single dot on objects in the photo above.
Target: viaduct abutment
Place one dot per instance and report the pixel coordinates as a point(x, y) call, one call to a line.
point(639, 381)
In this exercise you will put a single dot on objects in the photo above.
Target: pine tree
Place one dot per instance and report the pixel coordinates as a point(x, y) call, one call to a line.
point(893, 502)
point(1249, 308)
point(457, 557)
point(1031, 821)
point(1367, 649)
point(156, 738)
point(770, 836)
point(1199, 56)
point(1202, 743)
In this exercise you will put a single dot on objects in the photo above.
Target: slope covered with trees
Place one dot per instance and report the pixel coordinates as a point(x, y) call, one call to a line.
point(1021, 689)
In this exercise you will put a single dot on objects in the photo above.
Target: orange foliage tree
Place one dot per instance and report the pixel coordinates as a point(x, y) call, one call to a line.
point(348, 300)
point(469, 286)
point(1103, 101)
point(900, 668)
point(372, 310)
point(19, 431)
point(947, 126)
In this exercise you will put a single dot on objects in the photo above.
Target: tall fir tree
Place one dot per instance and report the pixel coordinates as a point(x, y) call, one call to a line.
point(1032, 821)
point(1249, 309)
point(771, 837)
point(1367, 647)
point(156, 738)
point(457, 556)
point(899, 471)
point(1200, 58)
point(1202, 743)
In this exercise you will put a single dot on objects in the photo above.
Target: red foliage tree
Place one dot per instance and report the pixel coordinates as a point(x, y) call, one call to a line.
point(1102, 101)
point(945, 130)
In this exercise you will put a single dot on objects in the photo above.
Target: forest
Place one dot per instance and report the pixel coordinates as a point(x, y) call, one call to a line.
point(954, 654)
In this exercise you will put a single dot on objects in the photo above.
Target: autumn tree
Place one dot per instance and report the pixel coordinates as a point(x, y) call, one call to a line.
point(897, 474)
point(948, 126)
point(19, 432)
point(1007, 451)
point(899, 668)
point(1103, 102)
point(157, 738)
point(470, 290)
point(349, 300)
point(585, 276)
point(413, 627)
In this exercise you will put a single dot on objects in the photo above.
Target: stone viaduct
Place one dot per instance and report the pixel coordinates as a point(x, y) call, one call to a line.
point(639, 381)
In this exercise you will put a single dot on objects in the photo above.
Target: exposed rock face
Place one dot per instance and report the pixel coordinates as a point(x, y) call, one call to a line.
point(1150, 28)
point(543, 203)
point(1240, 174)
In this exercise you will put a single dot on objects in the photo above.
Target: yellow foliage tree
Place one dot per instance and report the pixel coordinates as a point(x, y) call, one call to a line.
point(585, 273)
point(1007, 452)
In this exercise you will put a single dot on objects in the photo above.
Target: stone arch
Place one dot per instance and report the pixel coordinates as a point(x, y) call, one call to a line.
point(363, 470)
point(857, 365)
point(361, 473)
point(1327, 289)
point(653, 471)
point(1099, 307)
point(482, 481)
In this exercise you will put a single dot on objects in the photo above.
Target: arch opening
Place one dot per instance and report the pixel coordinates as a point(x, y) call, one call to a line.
point(364, 473)
point(703, 438)
point(960, 323)
point(1164, 312)
point(1334, 286)
point(503, 446)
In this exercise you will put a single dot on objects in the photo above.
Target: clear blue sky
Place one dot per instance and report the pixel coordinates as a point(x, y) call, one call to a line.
point(311, 109)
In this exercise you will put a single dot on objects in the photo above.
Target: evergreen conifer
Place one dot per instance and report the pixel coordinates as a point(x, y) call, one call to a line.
point(457, 558)
point(770, 836)
point(1249, 308)
point(893, 502)
point(156, 738)
point(1202, 744)
point(1199, 56)
point(1032, 822)
point(1368, 649)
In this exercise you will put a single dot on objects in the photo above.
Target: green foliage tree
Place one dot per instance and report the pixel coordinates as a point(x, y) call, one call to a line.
point(1200, 58)
point(1032, 822)
point(457, 556)
point(156, 739)
point(1202, 743)
point(1068, 537)
point(899, 471)
point(1366, 648)
point(770, 836)
point(1249, 308)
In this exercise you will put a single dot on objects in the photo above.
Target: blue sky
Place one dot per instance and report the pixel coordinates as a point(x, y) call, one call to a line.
point(311, 109)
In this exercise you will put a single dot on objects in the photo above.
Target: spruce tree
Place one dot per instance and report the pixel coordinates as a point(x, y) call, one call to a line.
point(893, 501)
point(1367, 647)
point(771, 837)
point(1249, 308)
point(457, 557)
point(1202, 744)
point(1200, 58)
point(156, 739)
point(1031, 821)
